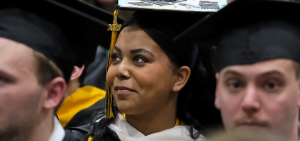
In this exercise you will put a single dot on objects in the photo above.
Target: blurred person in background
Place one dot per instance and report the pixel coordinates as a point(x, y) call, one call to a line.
point(80, 101)
point(95, 72)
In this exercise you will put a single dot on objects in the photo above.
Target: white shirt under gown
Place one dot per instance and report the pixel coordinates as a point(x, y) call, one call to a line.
point(58, 132)
point(126, 132)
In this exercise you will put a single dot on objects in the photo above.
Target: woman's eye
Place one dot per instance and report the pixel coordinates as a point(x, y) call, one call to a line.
point(139, 59)
point(115, 57)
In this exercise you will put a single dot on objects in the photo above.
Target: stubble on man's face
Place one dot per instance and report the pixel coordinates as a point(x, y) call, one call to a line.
point(20, 92)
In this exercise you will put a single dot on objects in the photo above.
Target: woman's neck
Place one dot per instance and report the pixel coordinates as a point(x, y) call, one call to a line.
point(159, 119)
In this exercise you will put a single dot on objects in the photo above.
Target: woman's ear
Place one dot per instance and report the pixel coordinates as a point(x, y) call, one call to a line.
point(183, 75)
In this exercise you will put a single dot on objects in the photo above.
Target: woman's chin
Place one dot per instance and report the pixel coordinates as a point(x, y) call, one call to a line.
point(130, 106)
point(125, 108)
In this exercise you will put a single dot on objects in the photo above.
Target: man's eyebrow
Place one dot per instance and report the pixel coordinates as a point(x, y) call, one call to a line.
point(273, 72)
point(117, 49)
point(141, 50)
point(6, 74)
point(231, 72)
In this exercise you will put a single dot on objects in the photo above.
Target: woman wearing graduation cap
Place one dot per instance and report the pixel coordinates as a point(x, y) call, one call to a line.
point(157, 90)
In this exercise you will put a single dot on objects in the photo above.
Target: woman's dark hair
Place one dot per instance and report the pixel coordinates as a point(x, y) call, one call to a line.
point(195, 104)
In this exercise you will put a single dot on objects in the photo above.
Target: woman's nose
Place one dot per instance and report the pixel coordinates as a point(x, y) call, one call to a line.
point(122, 70)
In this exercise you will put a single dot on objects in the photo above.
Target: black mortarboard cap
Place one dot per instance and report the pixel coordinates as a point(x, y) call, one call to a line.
point(249, 31)
point(65, 31)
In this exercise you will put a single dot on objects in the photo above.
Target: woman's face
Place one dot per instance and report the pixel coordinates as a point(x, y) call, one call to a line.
point(141, 76)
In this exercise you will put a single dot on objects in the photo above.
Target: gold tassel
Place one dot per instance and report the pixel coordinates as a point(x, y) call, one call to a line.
point(90, 138)
point(124, 116)
point(115, 27)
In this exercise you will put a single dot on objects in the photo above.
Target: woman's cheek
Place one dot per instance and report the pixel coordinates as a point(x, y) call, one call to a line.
point(150, 80)
point(110, 76)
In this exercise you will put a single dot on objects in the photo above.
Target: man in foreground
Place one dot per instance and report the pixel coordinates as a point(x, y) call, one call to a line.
point(40, 44)
point(258, 56)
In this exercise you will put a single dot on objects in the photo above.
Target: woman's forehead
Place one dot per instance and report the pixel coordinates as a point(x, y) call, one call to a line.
point(135, 38)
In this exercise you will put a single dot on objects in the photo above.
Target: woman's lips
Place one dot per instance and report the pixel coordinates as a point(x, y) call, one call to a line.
point(121, 90)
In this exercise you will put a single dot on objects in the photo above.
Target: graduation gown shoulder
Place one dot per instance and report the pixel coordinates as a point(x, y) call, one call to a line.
point(81, 133)
point(77, 133)
point(78, 108)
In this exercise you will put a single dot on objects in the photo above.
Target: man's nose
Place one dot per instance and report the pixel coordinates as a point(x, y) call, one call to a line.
point(251, 101)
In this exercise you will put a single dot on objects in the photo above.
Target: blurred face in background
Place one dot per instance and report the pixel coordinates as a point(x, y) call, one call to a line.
point(260, 96)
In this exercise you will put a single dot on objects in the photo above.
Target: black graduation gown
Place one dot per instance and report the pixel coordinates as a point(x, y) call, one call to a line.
point(80, 134)
point(83, 117)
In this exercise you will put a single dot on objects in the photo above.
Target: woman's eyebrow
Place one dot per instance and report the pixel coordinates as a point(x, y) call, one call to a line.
point(117, 49)
point(133, 51)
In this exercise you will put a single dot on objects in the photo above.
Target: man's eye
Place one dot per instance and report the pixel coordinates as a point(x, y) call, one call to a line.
point(2, 80)
point(271, 86)
point(235, 85)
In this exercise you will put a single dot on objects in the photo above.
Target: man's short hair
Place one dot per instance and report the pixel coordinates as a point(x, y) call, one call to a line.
point(296, 66)
point(46, 69)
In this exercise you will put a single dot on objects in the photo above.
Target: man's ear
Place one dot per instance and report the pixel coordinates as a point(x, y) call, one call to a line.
point(217, 100)
point(183, 75)
point(76, 72)
point(55, 92)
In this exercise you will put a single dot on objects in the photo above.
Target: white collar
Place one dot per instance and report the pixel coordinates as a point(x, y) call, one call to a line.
point(128, 133)
point(58, 132)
